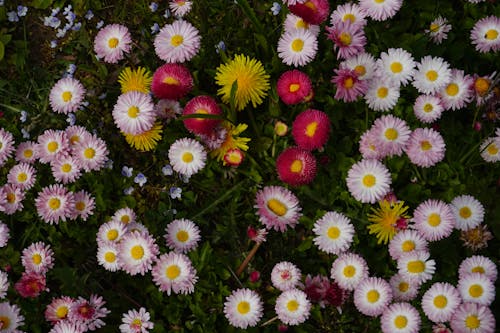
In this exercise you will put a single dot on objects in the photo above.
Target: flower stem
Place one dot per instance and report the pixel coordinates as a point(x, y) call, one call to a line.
point(247, 259)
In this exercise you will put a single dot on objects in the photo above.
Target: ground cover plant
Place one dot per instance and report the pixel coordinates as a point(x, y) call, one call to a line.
point(225, 166)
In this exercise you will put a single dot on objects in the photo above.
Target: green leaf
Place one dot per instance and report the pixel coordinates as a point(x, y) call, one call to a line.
point(41, 4)
point(2, 50)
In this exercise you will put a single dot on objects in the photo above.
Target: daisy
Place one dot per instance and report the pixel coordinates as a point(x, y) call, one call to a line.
point(31, 284)
point(38, 258)
point(67, 327)
point(136, 226)
point(311, 129)
point(4, 284)
point(485, 34)
point(136, 252)
point(476, 288)
point(382, 94)
point(22, 176)
point(65, 169)
point(384, 220)
point(136, 321)
point(54, 203)
point(6, 145)
point(91, 154)
point(88, 313)
point(468, 211)
point(112, 42)
point(4, 233)
point(67, 95)
point(349, 39)
point(134, 113)
point(203, 105)
point(458, 92)
point(278, 208)
point(334, 233)
point(285, 275)
point(311, 11)
point(368, 145)
point(10, 317)
point(440, 301)
point(425, 147)
point(472, 318)
point(428, 108)
point(124, 215)
point(372, 295)
point(362, 63)
point(172, 81)
point(416, 265)
point(296, 166)
point(400, 318)
point(380, 10)
point(177, 42)
point(243, 308)
point(52, 144)
point(297, 47)
point(111, 231)
point(76, 134)
point(294, 22)
point(432, 75)
point(438, 29)
point(368, 181)
point(348, 270)
point(84, 205)
point(397, 65)
point(393, 134)
point(478, 264)
point(25, 151)
point(348, 12)
point(58, 309)
point(406, 241)
point(292, 307)
point(107, 256)
point(174, 272)
point(404, 289)
point(180, 7)
point(14, 196)
point(187, 156)
point(294, 87)
point(348, 85)
point(483, 89)
point(168, 109)
point(182, 235)
point(490, 149)
point(434, 219)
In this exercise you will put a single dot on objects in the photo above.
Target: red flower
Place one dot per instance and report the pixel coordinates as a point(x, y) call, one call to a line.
point(311, 129)
point(171, 81)
point(201, 105)
point(30, 285)
point(296, 166)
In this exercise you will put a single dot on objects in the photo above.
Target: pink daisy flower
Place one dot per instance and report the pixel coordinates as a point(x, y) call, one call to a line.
point(14, 196)
point(180, 8)
point(136, 321)
point(91, 154)
point(348, 270)
point(397, 65)
point(440, 301)
point(182, 235)
point(52, 144)
point(297, 47)
point(428, 108)
point(112, 42)
point(416, 265)
point(76, 134)
point(25, 152)
point(380, 10)
point(38, 258)
point(485, 34)
point(458, 92)
point(348, 12)
point(168, 109)
point(111, 231)
point(54, 203)
point(382, 94)
point(107, 256)
point(31, 284)
point(472, 318)
point(243, 308)
point(368, 181)
point(88, 313)
point(476, 288)
point(362, 63)
point(84, 205)
point(134, 113)
point(171, 81)
point(294, 87)
point(432, 74)
point(406, 241)
point(277, 208)
point(349, 39)
point(67, 327)
point(400, 318)
point(311, 129)
point(478, 264)
point(438, 29)
point(292, 307)
point(425, 147)
point(391, 134)
point(22, 175)
point(58, 309)
point(6, 145)
point(296, 166)
point(174, 272)
point(294, 22)
point(404, 288)
point(4, 232)
point(285, 275)
point(137, 251)
point(434, 219)
point(177, 42)
point(204, 105)
point(12, 313)
point(348, 85)
point(66, 95)
point(65, 169)
point(311, 11)
point(369, 146)
point(124, 215)
point(372, 295)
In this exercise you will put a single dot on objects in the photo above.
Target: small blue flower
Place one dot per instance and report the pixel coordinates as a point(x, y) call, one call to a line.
point(89, 15)
point(26, 134)
point(175, 192)
point(221, 46)
point(167, 13)
point(153, 6)
point(24, 116)
point(71, 69)
point(12, 17)
point(61, 33)
point(99, 24)
point(1, 2)
point(70, 17)
point(126, 171)
point(53, 44)
point(55, 11)
point(77, 26)
point(140, 179)
point(276, 8)
point(22, 11)
point(71, 119)
point(128, 190)
point(155, 28)
point(167, 170)
point(67, 9)
point(53, 22)
point(109, 164)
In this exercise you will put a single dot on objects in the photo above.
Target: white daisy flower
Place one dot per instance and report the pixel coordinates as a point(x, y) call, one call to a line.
point(187, 156)
point(416, 265)
point(182, 235)
point(294, 22)
point(362, 63)
point(478, 264)
point(476, 288)
point(292, 307)
point(397, 65)
point(432, 74)
point(66, 95)
point(403, 288)
point(136, 252)
point(490, 149)
point(243, 308)
point(391, 134)
point(382, 94)
point(10, 317)
point(440, 301)
point(468, 211)
point(406, 241)
point(458, 92)
point(334, 233)
point(174, 272)
point(372, 295)
point(177, 42)
point(111, 231)
point(400, 318)
point(348, 270)
point(428, 108)
point(107, 256)
point(368, 181)
point(297, 47)
point(285, 275)
point(134, 112)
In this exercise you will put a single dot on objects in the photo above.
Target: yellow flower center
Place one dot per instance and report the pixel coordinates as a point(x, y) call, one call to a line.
point(11, 197)
point(187, 157)
point(492, 149)
point(296, 166)
point(452, 89)
point(434, 27)
point(465, 212)
point(66, 96)
point(133, 111)
point(379, 1)
point(408, 246)
point(5, 322)
point(243, 307)
point(36, 258)
point(348, 83)
point(403, 287)
point(171, 81)
point(372, 296)
point(297, 45)
point(369, 180)
point(74, 139)
point(80, 206)
point(110, 257)
point(66, 167)
point(112, 234)
point(440, 301)
point(89, 153)
point(182, 236)
point(28, 153)
point(113, 42)
point(431, 75)
point(301, 24)
point(428, 108)
point(292, 305)
point(391, 134)
point(172, 272)
point(349, 17)
point(294, 87)
point(333, 232)
point(360, 70)
point(125, 219)
point(277, 207)
point(482, 85)
point(382, 92)
point(472, 322)
point(22, 177)
point(396, 67)
point(400, 322)
point(476, 290)
point(425, 145)
point(176, 40)
point(345, 38)
point(52, 146)
point(434, 220)
point(349, 271)
point(54, 203)
point(137, 252)
point(310, 5)
point(311, 129)
point(491, 34)
point(136, 322)
point(477, 269)
point(416, 266)
point(62, 312)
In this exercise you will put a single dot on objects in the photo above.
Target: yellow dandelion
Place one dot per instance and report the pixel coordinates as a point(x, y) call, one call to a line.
point(232, 141)
point(252, 81)
point(145, 141)
point(385, 218)
point(135, 80)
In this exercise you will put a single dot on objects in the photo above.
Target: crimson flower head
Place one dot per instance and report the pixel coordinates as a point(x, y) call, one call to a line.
point(30, 285)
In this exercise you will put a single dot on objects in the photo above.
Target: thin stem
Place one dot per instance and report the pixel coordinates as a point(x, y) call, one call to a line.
point(269, 321)
point(247, 259)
